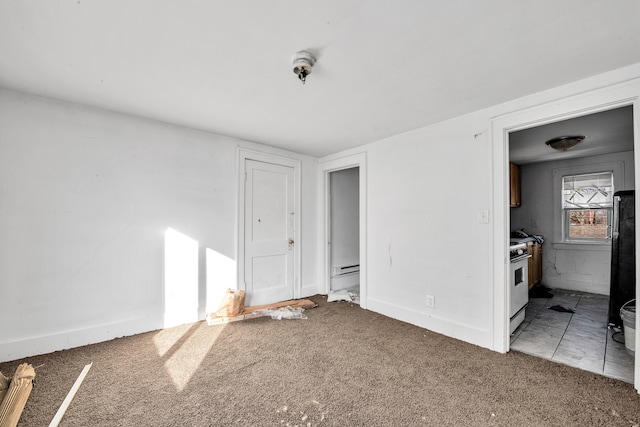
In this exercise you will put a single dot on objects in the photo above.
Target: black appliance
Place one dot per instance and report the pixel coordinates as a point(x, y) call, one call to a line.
point(623, 254)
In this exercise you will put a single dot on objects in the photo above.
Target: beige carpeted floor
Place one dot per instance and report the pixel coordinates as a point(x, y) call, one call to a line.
point(343, 366)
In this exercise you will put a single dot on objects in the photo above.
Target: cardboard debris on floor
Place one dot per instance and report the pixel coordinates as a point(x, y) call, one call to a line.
point(4, 385)
point(276, 310)
point(232, 304)
point(16, 394)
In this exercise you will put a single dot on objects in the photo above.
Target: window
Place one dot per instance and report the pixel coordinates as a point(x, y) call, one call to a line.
point(576, 177)
point(587, 202)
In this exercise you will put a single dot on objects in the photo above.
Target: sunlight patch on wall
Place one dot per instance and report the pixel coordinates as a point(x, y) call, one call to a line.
point(180, 279)
point(221, 275)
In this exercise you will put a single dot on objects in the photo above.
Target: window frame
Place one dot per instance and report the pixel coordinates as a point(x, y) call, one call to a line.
point(566, 213)
point(561, 240)
point(566, 226)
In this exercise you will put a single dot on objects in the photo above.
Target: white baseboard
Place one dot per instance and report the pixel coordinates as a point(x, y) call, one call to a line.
point(458, 330)
point(33, 346)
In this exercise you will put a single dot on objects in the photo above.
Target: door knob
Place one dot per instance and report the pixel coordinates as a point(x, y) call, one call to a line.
point(291, 241)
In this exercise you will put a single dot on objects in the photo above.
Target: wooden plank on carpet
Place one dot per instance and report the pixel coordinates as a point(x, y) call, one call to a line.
point(67, 400)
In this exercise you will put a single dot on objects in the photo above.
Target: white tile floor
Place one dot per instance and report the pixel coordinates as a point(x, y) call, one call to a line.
point(581, 339)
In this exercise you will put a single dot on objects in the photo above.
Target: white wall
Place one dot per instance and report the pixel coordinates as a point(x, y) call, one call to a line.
point(426, 191)
point(426, 188)
point(86, 197)
point(577, 267)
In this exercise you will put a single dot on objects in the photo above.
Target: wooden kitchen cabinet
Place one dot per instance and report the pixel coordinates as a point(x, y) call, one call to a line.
point(535, 263)
point(514, 185)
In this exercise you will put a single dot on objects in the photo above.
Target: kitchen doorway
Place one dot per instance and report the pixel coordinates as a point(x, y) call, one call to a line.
point(567, 314)
point(586, 100)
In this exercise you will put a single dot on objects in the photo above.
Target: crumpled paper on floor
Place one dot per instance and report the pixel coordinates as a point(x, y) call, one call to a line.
point(343, 295)
point(283, 313)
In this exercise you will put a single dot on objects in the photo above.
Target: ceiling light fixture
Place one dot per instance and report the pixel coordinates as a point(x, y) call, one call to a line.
point(302, 63)
point(564, 143)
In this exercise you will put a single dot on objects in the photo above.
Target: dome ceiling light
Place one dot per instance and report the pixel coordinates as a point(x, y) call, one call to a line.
point(565, 143)
point(302, 63)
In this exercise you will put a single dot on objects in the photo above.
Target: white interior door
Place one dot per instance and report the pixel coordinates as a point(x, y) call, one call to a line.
point(269, 232)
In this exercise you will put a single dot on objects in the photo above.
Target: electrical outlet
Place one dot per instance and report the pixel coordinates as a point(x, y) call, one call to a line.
point(431, 301)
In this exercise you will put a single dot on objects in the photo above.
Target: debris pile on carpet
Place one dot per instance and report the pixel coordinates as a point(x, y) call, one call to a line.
point(14, 393)
point(232, 304)
point(291, 309)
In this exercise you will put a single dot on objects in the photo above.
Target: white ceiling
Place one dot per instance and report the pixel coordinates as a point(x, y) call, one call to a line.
point(384, 67)
point(606, 132)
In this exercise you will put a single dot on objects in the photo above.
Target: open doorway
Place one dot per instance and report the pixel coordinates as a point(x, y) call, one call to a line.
point(563, 212)
point(344, 234)
point(356, 164)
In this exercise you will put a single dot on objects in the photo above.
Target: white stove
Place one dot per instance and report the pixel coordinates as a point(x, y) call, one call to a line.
point(518, 284)
point(517, 250)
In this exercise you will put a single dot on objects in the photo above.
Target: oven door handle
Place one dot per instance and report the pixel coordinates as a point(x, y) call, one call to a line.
point(520, 258)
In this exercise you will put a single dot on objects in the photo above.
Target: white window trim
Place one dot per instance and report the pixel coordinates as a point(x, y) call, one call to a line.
point(558, 213)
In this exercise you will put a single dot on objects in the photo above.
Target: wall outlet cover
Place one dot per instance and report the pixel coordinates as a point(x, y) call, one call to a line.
point(431, 301)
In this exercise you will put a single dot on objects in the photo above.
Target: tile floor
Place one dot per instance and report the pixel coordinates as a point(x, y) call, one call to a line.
point(581, 339)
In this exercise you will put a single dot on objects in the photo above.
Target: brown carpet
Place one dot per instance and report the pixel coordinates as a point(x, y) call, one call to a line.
point(343, 366)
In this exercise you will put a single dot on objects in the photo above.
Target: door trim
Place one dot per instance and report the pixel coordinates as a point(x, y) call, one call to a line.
point(325, 167)
point(244, 155)
point(616, 95)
